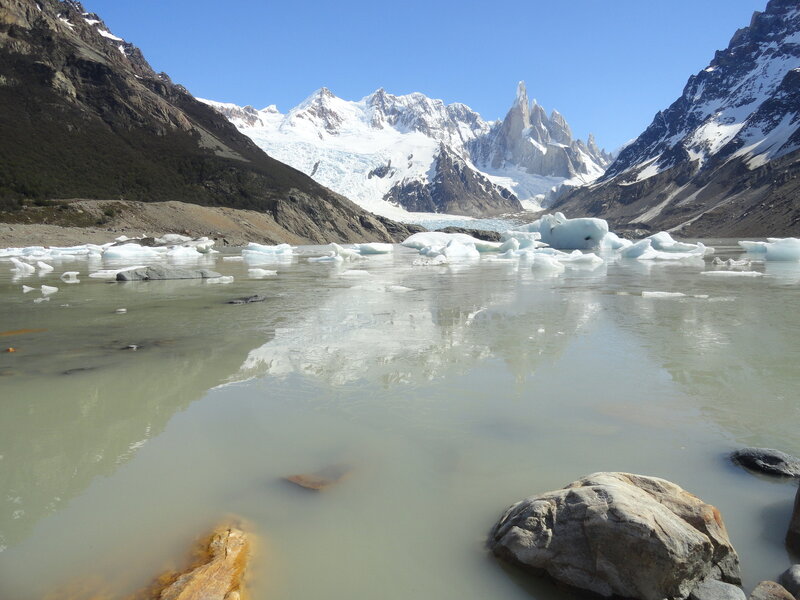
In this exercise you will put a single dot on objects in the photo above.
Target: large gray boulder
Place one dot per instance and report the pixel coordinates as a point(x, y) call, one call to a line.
point(767, 461)
point(159, 273)
point(769, 590)
point(619, 534)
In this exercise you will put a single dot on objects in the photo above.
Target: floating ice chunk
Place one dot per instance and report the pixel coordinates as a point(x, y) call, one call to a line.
point(433, 239)
point(70, 277)
point(42, 299)
point(524, 239)
point(121, 311)
point(172, 238)
point(559, 232)
point(329, 257)
point(260, 273)
point(509, 244)
point(437, 260)
point(184, 253)
point(731, 263)
point(22, 268)
point(664, 242)
point(355, 273)
point(579, 258)
point(643, 250)
point(233, 258)
point(374, 248)
point(43, 267)
point(27, 288)
point(260, 253)
point(112, 273)
point(663, 295)
point(778, 249)
point(399, 288)
point(48, 289)
point(223, 279)
point(130, 252)
point(612, 241)
point(547, 263)
point(733, 273)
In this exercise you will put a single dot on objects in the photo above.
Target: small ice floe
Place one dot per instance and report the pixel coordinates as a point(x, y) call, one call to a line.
point(70, 277)
point(373, 248)
point(578, 258)
point(355, 273)
point(452, 251)
point(777, 249)
point(516, 240)
point(430, 262)
point(48, 289)
point(733, 273)
point(121, 311)
point(336, 254)
point(545, 263)
point(440, 239)
point(131, 252)
point(171, 239)
point(260, 253)
point(663, 295)
point(659, 247)
point(27, 288)
point(223, 279)
point(183, 253)
point(22, 268)
point(612, 241)
point(731, 263)
point(260, 273)
point(398, 288)
point(42, 299)
point(43, 267)
point(233, 258)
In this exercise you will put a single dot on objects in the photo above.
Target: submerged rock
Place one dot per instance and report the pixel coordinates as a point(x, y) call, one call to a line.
point(248, 299)
point(158, 273)
point(619, 534)
point(767, 461)
point(790, 579)
point(769, 590)
point(218, 575)
point(793, 534)
point(714, 589)
point(322, 479)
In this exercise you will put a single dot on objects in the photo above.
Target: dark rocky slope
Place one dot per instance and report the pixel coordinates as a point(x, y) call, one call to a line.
point(724, 158)
point(83, 115)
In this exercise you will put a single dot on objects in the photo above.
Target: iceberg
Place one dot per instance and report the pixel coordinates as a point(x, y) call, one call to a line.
point(454, 250)
point(374, 248)
point(777, 249)
point(22, 268)
point(260, 273)
point(644, 250)
point(70, 277)
point(559, 232)
point(48, 289)
point(43, 267)
point(130, 252)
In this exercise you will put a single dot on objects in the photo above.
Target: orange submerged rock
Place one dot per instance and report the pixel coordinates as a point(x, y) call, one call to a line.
point(322, 479)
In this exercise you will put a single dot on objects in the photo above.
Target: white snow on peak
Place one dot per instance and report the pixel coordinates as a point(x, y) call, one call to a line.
point(109, 35)
point(363, 148)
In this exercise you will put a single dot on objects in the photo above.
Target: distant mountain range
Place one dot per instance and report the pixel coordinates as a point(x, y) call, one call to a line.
point(415, 153)
point(82, 115)
point(724, 158)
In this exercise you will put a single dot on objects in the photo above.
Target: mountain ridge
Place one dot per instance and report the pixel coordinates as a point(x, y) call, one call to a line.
point(410, 139)
point(84, 115)
point(724, 157)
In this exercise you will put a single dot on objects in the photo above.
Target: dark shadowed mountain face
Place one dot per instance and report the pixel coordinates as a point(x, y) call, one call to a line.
point(724, 158)
point(82, 114)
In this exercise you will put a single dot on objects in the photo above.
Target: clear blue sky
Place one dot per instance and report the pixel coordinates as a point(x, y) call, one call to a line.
point(608, 66)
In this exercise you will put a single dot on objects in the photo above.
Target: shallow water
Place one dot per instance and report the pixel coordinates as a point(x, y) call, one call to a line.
point(477, 385)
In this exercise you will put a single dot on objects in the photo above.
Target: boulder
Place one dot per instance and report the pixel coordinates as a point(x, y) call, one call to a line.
point(767, 461)
point(790, 579)
point(322, 479)
point(158, 273)
point(220, 574)
point(248, 299)
point(619, 534)
point(769, 590)
point(713, 589)
point(793, 535)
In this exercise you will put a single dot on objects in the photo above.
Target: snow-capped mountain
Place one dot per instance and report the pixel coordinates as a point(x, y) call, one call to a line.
point(393, 153)
point(710, 162)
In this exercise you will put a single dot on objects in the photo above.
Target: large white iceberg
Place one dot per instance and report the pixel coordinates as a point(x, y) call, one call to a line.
point(560, 232)
point(778, 249)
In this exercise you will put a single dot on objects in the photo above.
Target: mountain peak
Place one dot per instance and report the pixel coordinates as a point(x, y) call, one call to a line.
point(522, 95)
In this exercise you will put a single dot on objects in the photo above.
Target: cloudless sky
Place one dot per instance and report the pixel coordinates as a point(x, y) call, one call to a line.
point(608, 66)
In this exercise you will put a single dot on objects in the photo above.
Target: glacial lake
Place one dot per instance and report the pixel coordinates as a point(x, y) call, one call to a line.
point(449, 392)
